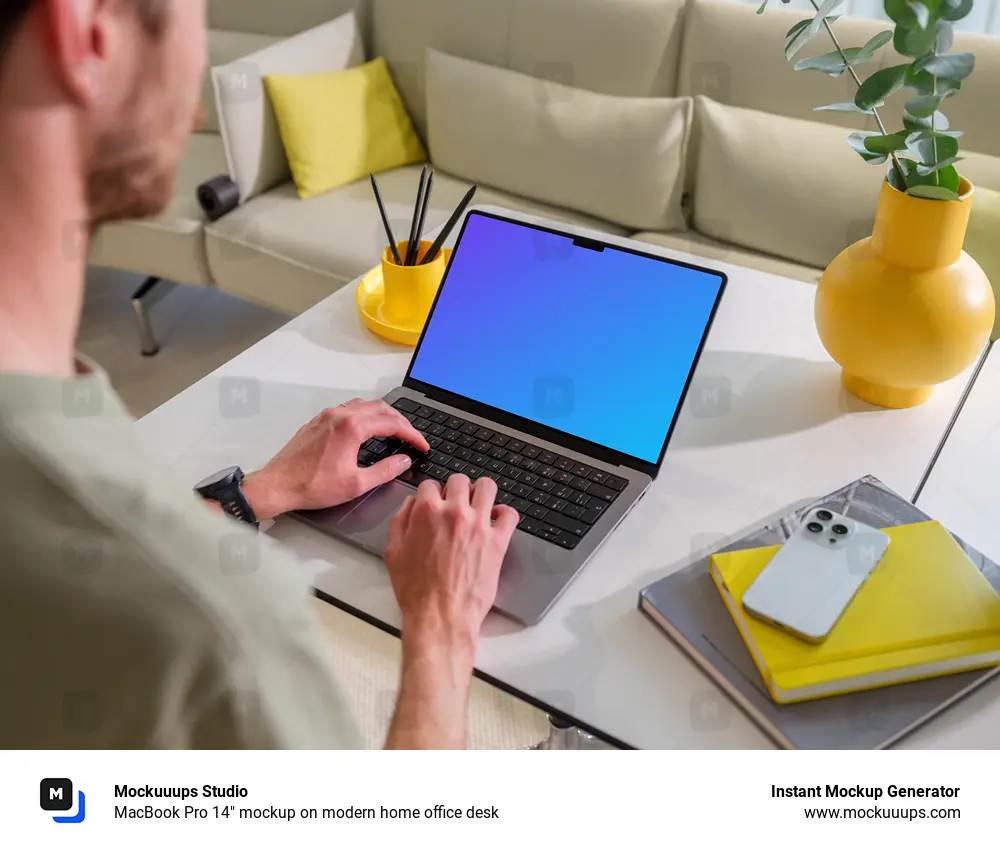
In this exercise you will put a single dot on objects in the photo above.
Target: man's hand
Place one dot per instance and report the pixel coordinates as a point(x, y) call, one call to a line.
point(319, 466)
point(444, 557)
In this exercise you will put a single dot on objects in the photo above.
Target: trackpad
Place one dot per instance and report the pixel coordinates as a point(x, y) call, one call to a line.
point(366, 520)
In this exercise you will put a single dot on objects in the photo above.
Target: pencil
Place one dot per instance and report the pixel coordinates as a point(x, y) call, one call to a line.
point(450, 226)
point(410, 253)
point(385, 222)
point(423, 214)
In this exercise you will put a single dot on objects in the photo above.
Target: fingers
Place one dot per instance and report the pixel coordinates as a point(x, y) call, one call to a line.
point(484, 494)
point(458, 490)
point(505, 520)
point(377, 419)
point(383, 472)
point(429, 490)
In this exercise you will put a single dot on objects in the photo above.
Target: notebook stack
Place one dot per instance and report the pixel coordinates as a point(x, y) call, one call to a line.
point(923, 631)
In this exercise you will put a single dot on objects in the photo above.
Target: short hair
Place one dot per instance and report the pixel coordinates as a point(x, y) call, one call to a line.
point(151, 12)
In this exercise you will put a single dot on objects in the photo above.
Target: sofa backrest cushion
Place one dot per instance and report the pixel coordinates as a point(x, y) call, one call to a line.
point(618, 158)
point(618, 47)
point(225, 47)
point(250, 132)
point(281, 17)
point(789, 187)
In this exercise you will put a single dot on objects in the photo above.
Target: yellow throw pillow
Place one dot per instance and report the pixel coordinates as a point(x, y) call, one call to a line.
point(339, 126)
point(982, 241)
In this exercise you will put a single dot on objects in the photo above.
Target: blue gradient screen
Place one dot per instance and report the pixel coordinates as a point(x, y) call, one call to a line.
point(597, 344)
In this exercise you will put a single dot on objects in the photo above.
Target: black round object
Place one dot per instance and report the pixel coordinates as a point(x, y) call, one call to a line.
point(814, 527)
point(824, 515)
point(839, 529)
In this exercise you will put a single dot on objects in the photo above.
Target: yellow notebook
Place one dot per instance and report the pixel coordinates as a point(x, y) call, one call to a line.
point(925, 611)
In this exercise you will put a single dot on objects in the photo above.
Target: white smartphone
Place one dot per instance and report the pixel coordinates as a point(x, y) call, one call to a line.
point(811, 580)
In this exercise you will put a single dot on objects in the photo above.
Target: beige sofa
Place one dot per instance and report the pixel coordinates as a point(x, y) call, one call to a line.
point(769, 183)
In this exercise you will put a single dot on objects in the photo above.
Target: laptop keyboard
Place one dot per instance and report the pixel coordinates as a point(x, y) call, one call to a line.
point(559, 499)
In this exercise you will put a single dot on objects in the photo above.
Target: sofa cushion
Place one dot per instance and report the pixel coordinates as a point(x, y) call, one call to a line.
point(280, 18)
point(707, 249)
point(172, 245)
point(788, 187)
point(617, 157)
point(250, 132)
point(225, 47)
point(289, 254)
point(620, 47)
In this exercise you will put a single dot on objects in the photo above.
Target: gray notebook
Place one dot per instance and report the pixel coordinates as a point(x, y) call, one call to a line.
point(687, 606)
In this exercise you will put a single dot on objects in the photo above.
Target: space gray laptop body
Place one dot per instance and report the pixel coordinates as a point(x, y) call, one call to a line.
point(534, 369)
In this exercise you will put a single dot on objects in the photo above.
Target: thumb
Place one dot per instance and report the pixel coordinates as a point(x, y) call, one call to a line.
point(384, 471)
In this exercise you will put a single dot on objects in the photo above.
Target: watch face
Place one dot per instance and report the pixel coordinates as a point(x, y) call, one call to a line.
point(223, 477)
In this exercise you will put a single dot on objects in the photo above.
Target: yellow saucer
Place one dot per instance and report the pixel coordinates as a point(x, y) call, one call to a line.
point(369, 296)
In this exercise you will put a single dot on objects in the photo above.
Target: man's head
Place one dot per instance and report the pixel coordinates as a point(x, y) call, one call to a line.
point(117, 80)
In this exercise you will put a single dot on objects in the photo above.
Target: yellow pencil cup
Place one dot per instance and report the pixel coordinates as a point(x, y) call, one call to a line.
point(409, 291)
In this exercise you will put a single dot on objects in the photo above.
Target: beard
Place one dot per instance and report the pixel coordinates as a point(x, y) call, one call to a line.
point(133, 158)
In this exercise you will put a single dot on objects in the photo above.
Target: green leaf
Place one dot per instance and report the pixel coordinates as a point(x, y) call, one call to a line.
point(946, 177)
point(887, 144)
point(930, 147)
point(921, 13)
point(872, 46)
point(954, 10)
point(798, 36)
point(763, 6)
point(880, 85)
point(857, 141)
point(924, 83)
point(900, 12)
point(826, 7)
point(925, 105)
point(828, 63)
point(846, 106)
point(913, 42)
point(792, 40)
point(919, 81)
point(945, 36)
point(933, 193)
point(924, 170)
point(951, 66)
point(914, 124)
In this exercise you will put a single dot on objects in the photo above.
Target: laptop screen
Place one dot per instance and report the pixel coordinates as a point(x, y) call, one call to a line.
point(599, 344)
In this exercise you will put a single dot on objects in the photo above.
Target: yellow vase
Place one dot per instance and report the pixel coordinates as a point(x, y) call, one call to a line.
point(906, 308)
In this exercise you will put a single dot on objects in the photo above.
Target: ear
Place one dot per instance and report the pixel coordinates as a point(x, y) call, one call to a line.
point(77, 37)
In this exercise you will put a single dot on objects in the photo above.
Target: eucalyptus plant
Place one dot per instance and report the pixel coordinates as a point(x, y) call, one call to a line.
point(923, 154)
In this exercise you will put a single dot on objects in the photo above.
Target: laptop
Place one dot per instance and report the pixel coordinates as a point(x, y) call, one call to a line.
point(556, 362)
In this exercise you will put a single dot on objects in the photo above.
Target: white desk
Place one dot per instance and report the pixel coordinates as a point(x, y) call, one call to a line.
point(961, 492)
point(766, 424)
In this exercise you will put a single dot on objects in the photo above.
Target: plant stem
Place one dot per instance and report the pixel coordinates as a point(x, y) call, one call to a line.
point(857, 82)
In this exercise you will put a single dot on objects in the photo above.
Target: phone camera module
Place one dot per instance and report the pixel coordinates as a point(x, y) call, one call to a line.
point(814, 527)
point(840, 529)
point(824, 515)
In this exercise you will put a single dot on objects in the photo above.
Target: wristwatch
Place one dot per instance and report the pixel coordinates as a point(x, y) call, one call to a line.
point(225, 488)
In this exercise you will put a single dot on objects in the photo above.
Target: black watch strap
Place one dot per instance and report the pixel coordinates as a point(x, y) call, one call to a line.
point(225, 488)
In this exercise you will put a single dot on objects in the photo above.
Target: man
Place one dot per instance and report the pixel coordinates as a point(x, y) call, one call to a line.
point(118, 626)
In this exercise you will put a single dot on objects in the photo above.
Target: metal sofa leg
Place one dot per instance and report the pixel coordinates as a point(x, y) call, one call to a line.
point(153, 290)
